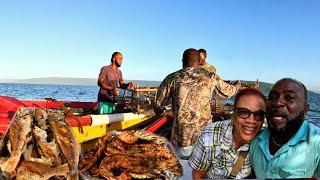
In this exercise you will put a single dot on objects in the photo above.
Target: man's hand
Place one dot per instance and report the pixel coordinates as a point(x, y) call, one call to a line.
point(131, 84)
point(238, 83)
point(115, 91)
point(156, 108)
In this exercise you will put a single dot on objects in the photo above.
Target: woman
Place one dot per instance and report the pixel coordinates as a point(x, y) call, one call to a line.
point(220, 143)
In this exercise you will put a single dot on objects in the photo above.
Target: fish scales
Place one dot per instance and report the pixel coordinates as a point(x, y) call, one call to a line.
point(32, 170)
point(67, 143)
point(19, 134)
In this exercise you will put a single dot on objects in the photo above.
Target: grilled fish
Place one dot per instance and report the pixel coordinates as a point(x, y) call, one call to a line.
point(48, 149)
point(19, 133)
point(31, 170)
point(28, 155)
point(41, 117)
point(67, 142)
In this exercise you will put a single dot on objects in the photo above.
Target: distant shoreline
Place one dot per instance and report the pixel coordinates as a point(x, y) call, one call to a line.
point(72, 81)
point(264, 86)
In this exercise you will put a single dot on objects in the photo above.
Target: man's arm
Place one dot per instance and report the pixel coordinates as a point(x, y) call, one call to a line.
point(125, 85)
point(163, 96)
point(103, 85)
point(225, 89)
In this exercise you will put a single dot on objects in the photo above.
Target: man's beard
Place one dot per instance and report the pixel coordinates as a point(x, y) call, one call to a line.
point(117, 64)
point(292, 125)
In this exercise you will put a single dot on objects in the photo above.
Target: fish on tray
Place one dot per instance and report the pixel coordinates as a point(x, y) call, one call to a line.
point(67, 143)
point(19, 135)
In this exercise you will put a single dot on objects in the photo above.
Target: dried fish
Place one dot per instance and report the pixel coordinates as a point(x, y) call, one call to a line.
point(94, 153)
point(31, 170)
point(128, 137)
point(48, 149)
point(145, 156)
point(67, 143)
point(150, 137)
point(19, 134)
point(27, 155)
point(45, 140)
point(41, 116)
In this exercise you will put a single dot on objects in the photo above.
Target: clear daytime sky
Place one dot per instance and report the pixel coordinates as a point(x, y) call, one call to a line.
point(244, 39)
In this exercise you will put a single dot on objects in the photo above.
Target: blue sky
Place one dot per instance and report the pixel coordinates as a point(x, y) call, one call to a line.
point(244, 39)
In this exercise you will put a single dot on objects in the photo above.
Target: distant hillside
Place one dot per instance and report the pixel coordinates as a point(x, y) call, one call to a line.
point(76, 81)
point(263, 86)
point(142, 83)
point(266, 87)
point(58, 80)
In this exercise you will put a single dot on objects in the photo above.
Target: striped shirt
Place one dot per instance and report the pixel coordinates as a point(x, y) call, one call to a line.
point(214, 151)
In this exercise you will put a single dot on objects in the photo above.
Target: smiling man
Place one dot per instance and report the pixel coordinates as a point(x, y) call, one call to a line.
point(290, 146)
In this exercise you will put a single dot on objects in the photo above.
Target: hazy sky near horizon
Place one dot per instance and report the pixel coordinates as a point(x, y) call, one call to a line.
point(244, 39)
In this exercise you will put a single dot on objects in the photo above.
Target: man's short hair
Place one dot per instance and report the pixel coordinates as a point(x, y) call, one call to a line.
point(203, 51)
point(298, 82)
point(305, 92)
point(114, 55)
point(191, 56)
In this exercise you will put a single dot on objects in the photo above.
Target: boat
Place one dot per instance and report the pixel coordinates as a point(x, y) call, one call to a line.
point(132, 112)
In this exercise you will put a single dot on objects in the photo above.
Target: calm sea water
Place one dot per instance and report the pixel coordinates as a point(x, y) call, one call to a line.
point(89, 93)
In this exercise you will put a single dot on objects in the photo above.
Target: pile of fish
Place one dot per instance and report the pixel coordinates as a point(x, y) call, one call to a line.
point(131, 154)
point(39, 144)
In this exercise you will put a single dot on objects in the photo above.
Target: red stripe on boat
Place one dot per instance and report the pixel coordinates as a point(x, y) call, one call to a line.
point(156, 126)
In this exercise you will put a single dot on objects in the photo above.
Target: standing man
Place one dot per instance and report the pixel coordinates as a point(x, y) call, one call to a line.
point(190, 91)
point(109, 78)
point(204, 64)
point(290, 146)
point(212, 70)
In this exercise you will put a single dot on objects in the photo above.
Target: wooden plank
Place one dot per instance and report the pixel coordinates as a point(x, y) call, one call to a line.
point(145, 90)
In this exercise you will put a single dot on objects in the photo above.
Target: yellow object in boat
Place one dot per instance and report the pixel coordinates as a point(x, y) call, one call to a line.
point(92, 132)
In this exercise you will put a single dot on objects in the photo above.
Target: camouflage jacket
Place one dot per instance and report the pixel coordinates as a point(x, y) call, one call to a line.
point(190, 91)
point(210, 68)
